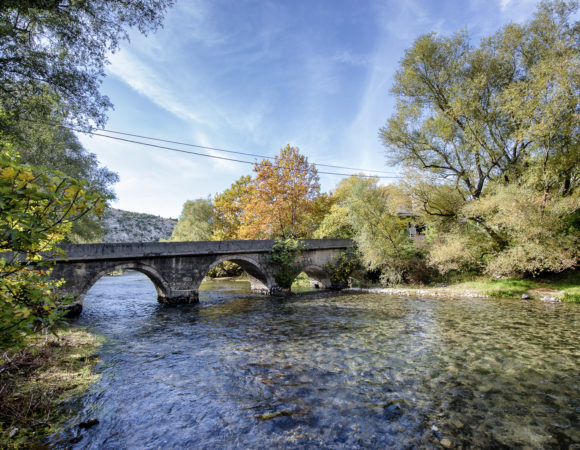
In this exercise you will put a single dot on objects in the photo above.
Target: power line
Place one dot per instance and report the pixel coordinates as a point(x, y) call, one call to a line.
point(173, 149)
point(95, 133)
point(230, 151)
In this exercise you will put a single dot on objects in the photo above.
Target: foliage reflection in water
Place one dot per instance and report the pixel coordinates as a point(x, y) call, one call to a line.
point(328, 370)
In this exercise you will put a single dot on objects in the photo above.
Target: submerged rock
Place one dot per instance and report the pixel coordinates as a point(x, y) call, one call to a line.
point(267, 416)
point(89, 423)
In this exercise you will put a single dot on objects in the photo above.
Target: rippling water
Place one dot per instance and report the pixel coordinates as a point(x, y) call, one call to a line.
point(328, 370)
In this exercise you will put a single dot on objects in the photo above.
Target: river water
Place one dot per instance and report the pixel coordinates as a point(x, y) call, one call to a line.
point(327, 370)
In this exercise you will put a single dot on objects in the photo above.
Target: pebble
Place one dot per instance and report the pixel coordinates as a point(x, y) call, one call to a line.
point(446, 443)
point(456, 424)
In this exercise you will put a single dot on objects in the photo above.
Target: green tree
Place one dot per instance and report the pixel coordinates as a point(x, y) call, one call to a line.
point(344, 267)
point(474, 118)
point(59, 48)
point(381, 235)
point(539, 236)
point(52, 58)
point(58, 149)
point(195, 222)
point(335, 223)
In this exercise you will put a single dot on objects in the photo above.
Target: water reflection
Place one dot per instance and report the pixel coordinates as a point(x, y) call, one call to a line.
point(326, 370)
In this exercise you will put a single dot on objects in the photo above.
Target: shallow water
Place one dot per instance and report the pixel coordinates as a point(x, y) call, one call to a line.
point(326, 370)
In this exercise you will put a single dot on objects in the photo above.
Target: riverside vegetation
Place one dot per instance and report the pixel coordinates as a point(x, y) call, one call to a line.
point(52, 59)
point(487, 135)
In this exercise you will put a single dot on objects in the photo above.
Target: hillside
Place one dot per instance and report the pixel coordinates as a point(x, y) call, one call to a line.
point(127, 226)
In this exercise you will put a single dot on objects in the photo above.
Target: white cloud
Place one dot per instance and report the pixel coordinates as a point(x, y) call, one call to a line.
point(144, 79)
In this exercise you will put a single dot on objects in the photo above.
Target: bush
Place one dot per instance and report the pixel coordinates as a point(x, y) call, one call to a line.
point(36, 212)
point(347, 263)
point(283, 257)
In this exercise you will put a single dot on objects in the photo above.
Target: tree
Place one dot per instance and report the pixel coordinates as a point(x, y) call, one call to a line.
point(56, 148)
point(229, 207)
point(456, 105)
point(195, 222)
point(36, 211)
point(52, 59)
point(472, 119)
point(282, 198)
point(59, 48)
point(381, 235)
point(335, 223)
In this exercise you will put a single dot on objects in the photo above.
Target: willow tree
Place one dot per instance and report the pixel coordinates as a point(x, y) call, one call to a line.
point(483, 119)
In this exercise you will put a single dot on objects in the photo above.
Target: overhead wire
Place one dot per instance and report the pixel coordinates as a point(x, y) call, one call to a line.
point(163, 147)
point(230, 151)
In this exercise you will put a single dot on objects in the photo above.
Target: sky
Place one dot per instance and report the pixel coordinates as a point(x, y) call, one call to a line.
point(255, 75)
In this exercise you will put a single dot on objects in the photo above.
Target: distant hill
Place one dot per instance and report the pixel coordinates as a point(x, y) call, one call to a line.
point(127, 226)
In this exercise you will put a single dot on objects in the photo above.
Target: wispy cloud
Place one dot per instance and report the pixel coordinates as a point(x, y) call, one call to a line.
point(144, 79)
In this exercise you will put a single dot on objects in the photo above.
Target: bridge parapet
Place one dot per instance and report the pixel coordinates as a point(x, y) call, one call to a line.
point(76, 252)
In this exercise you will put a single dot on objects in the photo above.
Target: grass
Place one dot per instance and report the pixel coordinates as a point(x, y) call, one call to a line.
point(565, 287)
point(37, 382)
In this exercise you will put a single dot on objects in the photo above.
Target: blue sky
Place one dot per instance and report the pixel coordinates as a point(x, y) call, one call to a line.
point(253, 76)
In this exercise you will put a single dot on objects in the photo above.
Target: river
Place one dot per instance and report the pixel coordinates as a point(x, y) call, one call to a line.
point(327, 370)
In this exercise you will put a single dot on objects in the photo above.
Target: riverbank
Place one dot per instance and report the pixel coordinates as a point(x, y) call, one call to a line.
point(563, 288)
point(38, 384)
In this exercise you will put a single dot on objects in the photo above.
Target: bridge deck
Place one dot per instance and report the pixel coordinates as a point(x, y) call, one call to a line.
point(92, 252)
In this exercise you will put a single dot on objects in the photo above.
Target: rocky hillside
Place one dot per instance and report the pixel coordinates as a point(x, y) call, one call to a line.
point(126, 226)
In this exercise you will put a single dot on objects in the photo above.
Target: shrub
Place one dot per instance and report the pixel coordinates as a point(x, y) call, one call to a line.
point(283, 257)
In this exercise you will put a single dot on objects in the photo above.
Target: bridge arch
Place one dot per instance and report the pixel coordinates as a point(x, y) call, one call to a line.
point(260, 279)
point(318, 276)
point(161, 285)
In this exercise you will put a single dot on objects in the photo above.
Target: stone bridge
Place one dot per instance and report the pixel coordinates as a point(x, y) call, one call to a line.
point(178, 268)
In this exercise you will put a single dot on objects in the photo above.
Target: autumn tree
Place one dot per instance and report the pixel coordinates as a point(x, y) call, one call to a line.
point(229, 206)
point(282, 198)
point(491, 120)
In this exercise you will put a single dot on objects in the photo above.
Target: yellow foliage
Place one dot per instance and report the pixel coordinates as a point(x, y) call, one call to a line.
point(281, 199)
